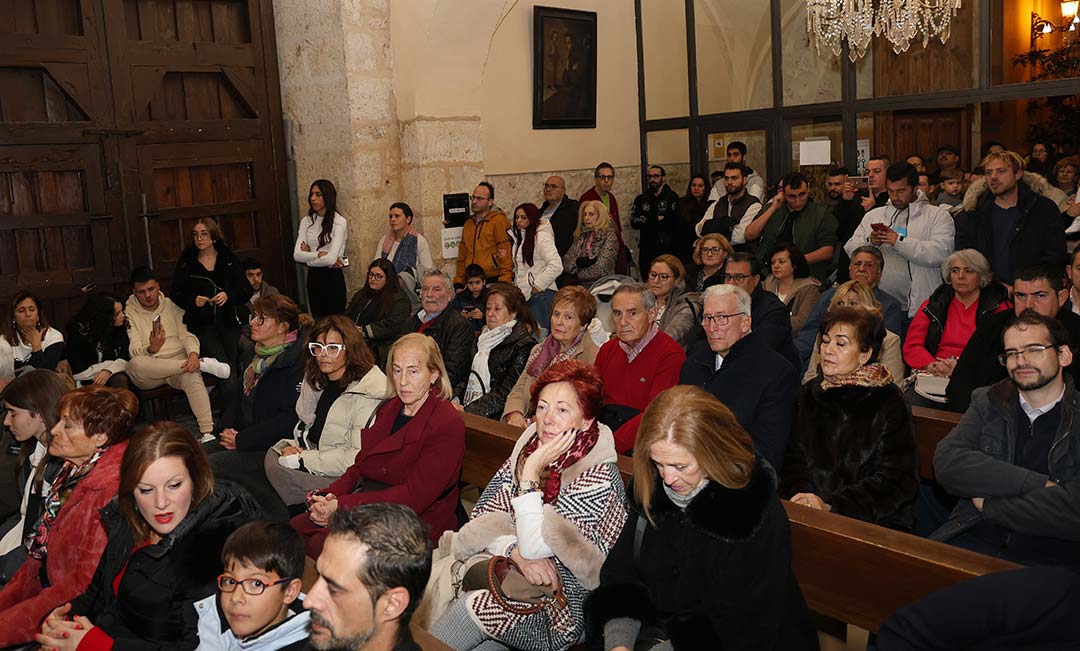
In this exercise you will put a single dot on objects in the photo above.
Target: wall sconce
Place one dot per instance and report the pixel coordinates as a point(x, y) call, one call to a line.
point(1069, 21)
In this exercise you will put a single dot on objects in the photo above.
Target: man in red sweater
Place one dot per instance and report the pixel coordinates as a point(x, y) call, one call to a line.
point(639, 363)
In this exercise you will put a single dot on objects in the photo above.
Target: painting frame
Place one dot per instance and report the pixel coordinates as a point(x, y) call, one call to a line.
point(564, 68)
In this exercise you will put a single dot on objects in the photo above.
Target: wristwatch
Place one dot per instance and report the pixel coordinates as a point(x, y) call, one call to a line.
point(526, 486)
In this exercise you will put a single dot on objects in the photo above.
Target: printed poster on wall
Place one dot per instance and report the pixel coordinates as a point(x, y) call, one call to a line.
point(451, 237)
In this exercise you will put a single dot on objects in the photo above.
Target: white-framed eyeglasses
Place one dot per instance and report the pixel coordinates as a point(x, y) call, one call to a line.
point(330, 350)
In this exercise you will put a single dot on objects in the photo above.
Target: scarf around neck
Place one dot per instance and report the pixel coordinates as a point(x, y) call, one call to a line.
point(406, 254)
point(37, 541)
point(869, 375)
point(633, 352)
point(480, 376)
point(551, 475)
point(265, 356)
point(550, 353)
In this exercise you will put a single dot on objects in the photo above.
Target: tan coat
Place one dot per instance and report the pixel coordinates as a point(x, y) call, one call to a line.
point(890, 357)
point(520, 400)
point(801, 300)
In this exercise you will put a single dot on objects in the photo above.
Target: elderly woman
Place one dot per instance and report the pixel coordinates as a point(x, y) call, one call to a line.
point(595, 248)
point(706, 522)
point(1064, 175)
point(674, 311)
point(536, 261)
point(790, 280)
point(710, 254)
point(502, 351)
point(555, 508)
point(33, 343)
point(381, 308)
point(341, 390)
point(67, 538)
point(852, 451)
point(165, 531)
point(944, 323)
point(411, 454)
point(573, 317)
point(855, 294)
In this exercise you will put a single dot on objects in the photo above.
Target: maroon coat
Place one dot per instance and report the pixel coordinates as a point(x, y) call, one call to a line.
point(421, 463)
point(76, 541)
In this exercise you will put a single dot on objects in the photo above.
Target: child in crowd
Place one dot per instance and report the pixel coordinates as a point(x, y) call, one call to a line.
point(259, 593)
point(951, 196)
point(472, 300)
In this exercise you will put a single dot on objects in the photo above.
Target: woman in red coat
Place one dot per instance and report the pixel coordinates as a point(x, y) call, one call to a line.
point(68, 538)
point(410, 455)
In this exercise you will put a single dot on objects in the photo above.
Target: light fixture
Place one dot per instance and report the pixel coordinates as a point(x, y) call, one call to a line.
point(830, 22)
point(1069, 20)
point(1068, 10)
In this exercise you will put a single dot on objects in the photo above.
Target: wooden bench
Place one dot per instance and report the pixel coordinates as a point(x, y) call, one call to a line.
point(931, 425)
point(851, 571)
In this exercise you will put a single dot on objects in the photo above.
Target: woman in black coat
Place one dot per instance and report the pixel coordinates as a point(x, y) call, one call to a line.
point(165, 528)
point(210, 286)
point(96, 342)
point(502, 352)
point(380, 308)
point(853, 451)
point(704, 560)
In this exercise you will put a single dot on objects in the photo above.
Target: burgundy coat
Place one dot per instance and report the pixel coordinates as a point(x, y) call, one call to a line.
point(76, 541)
point(421, 463)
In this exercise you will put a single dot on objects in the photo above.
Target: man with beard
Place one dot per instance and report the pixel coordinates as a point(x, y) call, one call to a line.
point(792, 217)
point(730, 214)
point(1012, 460)
point(1039, 289)
point(654, 215)
point(1013, 224)
point(845, 205)
point(755, 184)
point(372, 573)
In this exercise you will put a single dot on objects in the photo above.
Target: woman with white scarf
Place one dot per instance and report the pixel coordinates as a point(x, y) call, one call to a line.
point(502, 351)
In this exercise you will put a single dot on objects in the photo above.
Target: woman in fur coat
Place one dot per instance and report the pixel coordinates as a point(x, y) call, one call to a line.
point(555, 508)
point(704, 561)
point(853, 450)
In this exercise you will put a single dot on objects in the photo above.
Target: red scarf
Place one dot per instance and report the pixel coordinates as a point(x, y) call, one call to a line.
point(582, 445)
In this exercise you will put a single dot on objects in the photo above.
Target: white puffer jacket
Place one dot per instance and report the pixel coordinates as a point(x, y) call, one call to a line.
point(546, 267)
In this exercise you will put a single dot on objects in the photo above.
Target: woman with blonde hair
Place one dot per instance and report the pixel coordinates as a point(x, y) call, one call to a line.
point(710, 254)
point(411, 454)
point(704, 560)
point(855, 294)
point(595, 248)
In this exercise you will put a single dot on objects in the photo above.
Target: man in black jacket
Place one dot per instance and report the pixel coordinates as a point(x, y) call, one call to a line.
point(1038, 288)
point(449, 329)
point(561, 212)
point(772, 319)
point(1013, 225)
point(754, 381)
point(654, 215)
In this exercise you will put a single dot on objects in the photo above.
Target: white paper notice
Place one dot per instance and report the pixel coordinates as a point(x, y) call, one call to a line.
point(815, 152)
point(451, 237)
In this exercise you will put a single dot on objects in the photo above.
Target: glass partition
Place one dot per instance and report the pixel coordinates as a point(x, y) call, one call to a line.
point(663, 38)
point(734, 55)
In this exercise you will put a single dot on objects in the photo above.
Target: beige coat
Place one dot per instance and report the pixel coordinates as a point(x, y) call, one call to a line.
point(804, 294)
point(520, 399)
point(178, 341)
point(890, 357)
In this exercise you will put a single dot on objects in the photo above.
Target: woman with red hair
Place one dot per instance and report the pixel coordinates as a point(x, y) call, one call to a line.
point(536, 262)
point(555, 508)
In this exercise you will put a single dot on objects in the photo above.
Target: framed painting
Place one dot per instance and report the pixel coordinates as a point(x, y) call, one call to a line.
point(564, 68)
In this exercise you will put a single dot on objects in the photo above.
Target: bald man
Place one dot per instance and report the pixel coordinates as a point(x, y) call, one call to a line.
point(561, 211)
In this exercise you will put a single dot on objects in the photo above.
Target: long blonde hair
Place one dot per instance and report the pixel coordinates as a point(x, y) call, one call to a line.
point(603, 217)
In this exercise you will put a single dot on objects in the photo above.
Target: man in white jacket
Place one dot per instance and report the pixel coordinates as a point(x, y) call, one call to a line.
point(163, 351)
point(913, 236)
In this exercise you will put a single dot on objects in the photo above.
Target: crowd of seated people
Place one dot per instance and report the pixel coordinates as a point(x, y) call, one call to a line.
point(322, 423)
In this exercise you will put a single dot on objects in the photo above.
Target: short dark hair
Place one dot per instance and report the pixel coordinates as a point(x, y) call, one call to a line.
point(742, 256)
point(1039, 271)
point(398, 550)
point(868, 325)
point(663, 172)
point(603, 165)
point(901, 171)
point(475, 271)
point(490, 187)
point(880, 157)
point(735, 166)
point(716, 174)
point(872, 250)
point(269, 546)
point(953, 149)
point(142, 274)
point(838, 170)
point(737, 144)
point(251, 264)
point(1059, 334)
point(407, 209)
point(916, 155)
point(1072, 256)
point(798, 260)
point(795, 180)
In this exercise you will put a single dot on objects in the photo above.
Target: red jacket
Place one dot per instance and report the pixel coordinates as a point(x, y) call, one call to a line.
point(421, 462)
point(76, 542)
point(635, 384)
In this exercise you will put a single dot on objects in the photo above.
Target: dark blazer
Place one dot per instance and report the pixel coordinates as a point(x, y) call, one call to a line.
point(771, 321)
point(380, 323)
point(854, 448)
point(506, 362)
point(715, 576)
point(455, 339)
point(757, 384)
point(154, 608)
point(269, 413)
point(192, 279)
point(419, 465)
point(563, 222)
point(978, 365)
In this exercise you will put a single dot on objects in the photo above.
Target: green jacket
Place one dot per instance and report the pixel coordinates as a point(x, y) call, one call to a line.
point(814, 228)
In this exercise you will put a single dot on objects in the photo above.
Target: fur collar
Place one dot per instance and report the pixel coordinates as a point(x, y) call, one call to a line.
point(1034, 182)
point(723, 513)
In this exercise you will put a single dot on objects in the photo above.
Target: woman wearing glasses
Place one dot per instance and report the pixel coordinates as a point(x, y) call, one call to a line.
point(341, 390)
point(381, 308)
point(674, 310)
point(211, 288)
point(710, 254)
point(411, 454)
point(165, 531)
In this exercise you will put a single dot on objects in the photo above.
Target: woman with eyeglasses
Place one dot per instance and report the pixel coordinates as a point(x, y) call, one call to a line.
point(341, 390)
point(210, 286)
point(674, 310)
point(165, 531)
point(410, 453)
point(710, 254)
point(380, 308)
point(536, 261)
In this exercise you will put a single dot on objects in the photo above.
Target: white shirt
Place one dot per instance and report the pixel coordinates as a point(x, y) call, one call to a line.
point(309, 232)
point(719, 361)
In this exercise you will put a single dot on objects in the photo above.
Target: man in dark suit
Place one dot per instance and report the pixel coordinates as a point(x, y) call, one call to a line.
point(560, 211)
point(772, 319)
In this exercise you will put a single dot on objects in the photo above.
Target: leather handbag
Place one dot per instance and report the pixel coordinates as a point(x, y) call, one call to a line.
point(511, 590)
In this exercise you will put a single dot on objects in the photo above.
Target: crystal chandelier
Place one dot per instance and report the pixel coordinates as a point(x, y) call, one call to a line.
point(829, 22)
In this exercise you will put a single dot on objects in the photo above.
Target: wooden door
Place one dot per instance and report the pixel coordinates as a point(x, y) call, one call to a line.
point(902, 133)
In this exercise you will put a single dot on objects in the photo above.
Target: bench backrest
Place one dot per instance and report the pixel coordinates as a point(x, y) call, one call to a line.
point(931, 425)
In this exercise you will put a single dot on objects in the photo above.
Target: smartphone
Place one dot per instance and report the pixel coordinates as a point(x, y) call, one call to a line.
point(879, 227)
point(157, 321)
point(859, 182)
